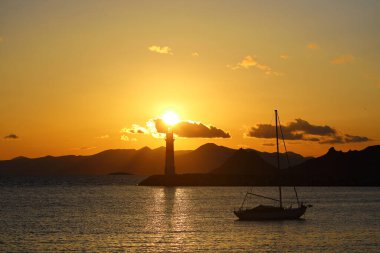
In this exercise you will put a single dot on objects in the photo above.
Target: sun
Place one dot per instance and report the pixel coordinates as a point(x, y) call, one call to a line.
point(170, 118)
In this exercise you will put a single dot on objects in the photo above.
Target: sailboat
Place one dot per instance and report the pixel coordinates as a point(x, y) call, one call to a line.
point(275, 212)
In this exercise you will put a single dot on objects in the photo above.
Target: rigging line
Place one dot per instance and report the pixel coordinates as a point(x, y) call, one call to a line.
point(261, 196)
point(249, 191)
point(287, 157)
point(283, 140)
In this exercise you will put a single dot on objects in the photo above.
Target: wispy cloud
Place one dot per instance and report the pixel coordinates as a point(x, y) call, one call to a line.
point(284, 56)
point(11, 137)
point(161, 50)
point(106, 136)
point(251, 62)
point(353, 138)
point(127, 138)
point(195, 54)
point(84, 148)
point(312, 46)
point(302, 130)
point(135, 129)
point(124, 137)
point(87, 148)
point(342, 59)
point(338, 139)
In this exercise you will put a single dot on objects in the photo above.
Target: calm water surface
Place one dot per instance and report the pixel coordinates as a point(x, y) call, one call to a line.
point(110, 214)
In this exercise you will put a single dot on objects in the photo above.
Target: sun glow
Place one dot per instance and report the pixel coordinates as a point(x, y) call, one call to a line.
point(170, 118)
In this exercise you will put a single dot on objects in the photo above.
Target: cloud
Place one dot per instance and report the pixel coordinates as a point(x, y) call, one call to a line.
point(135, 129)
point(342, 59)
point(250, 62)
point(124, 137)
point(333, 140)
point(303, 125)
point(106, 136)
point(312, 46)
point(191, 129)
point(347, 138)
point(86, 148)
point(185, 128)
point(352, 138)
point(161, 50)
point(11, 137)
point(247, 62)
point(300, 129)
point(195, 54)
point(127, 138)
point(284, 56)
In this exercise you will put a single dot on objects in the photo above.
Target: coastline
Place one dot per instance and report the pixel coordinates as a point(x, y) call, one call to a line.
point(242, 180)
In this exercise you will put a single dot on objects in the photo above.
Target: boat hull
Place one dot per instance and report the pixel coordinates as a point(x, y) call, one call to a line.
point(271, 214)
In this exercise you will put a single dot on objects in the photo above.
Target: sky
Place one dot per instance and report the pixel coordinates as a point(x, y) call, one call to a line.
point(80, 77)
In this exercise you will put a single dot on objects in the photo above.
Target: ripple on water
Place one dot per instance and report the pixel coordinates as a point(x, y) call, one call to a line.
point(117, 217)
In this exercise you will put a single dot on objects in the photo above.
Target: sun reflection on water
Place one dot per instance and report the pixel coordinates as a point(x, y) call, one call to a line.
point(170, 221)
point(184, 219)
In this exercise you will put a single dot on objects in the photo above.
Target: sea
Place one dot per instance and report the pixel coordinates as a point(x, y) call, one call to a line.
point(113, 214)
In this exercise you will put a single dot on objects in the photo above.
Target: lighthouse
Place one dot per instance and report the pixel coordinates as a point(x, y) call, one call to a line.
point(170, 119)
point(169, 160)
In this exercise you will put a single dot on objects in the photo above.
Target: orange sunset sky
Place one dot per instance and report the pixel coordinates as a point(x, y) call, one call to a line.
point(80, 77)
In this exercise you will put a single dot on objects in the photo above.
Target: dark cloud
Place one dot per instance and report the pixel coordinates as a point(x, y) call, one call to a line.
point(338, 139)
point(352, 138)
point(300, 129)
point(134, 131)
point(307, 128)
point(11, 136)
point(296, 130)
point(190, 129)
point(269, 131)
point(334, 140)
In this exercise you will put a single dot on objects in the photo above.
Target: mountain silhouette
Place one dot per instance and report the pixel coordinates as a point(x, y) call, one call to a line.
point(294, 159)
point(203, 159)
point(339, 168)
point(97, 164)
point(246, 162)
point(333, 168)
point(246, 167)
point(144, 161)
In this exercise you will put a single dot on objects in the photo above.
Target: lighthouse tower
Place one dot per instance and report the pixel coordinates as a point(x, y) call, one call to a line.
point(169, 161)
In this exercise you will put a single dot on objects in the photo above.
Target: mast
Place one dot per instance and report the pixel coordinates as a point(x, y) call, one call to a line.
point(278, 157)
